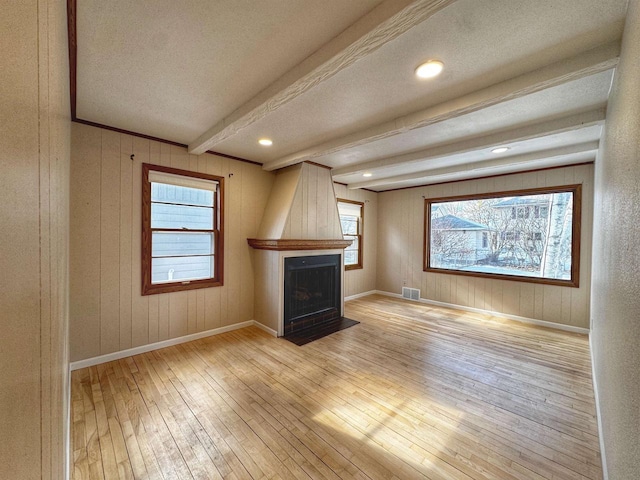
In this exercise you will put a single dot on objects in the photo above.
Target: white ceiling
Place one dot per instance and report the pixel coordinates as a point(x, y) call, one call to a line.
point(332, 81)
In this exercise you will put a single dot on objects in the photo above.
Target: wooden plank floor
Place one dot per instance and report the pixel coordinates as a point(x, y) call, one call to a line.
point(412, 392)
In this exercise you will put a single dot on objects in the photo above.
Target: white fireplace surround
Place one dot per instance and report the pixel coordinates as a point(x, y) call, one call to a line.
point(269, 286)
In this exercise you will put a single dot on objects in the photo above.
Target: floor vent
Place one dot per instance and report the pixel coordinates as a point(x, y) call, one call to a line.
point(411, 293)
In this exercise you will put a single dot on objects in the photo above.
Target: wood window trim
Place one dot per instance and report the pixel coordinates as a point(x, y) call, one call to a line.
point(575, 234)
point(360, 264)
point(148, 288)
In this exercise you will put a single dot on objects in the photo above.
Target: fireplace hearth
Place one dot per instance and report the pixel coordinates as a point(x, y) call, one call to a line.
point(311, 291)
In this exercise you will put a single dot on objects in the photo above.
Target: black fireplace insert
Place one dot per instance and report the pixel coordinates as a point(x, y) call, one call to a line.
point(311, 291)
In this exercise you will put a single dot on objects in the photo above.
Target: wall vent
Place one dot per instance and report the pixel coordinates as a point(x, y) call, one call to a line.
point(411, 293)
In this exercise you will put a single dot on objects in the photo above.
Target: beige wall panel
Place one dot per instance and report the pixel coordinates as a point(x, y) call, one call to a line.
point(34, 200)
point(192, 313)
point(389, 264)
point(19, 209)
point(266, 294)
point(400, 252)
point(222, 168)
point(126, 267)
point(306, 206)
point(200, 310)
point(178, 314)
point(527, 296)
point(163, 317)
point(233, 232)
point(84, 264)
point(179, 157)
point(309, 199)
point(511, 298)
point(364, 279)
point(213, 296)
point(293, 226)
point(279, 203)
point(318, 176)
point(109, 312)
point(110, 242)
point(144, 310)
point(165, 154)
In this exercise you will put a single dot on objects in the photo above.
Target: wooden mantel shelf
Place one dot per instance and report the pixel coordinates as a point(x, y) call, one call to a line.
point(296, 244)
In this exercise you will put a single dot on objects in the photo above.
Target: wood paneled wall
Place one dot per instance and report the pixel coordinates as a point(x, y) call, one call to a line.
point(108, 313)
point(314, 211)
point(363, 279)
point(400, 244)
point(34, 208)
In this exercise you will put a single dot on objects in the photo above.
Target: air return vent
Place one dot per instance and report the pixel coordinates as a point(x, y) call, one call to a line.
point(411, 293)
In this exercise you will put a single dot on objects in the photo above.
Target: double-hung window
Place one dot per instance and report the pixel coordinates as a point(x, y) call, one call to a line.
point(182, 240)
point(351, 219)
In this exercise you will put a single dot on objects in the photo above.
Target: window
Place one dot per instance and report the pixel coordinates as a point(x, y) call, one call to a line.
point(182, 240)
point(351, 219)
point(526, 235)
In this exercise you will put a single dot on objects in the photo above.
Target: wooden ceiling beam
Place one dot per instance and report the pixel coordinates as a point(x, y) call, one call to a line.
point(483, 142)
point(383, 24)
point(587, 63)
point(551, 157)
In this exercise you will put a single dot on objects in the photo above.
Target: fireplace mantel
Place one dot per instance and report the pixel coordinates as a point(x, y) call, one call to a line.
point(298, 244)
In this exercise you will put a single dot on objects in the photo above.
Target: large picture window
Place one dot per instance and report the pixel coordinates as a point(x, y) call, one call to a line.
point(526, 235)
point(352, 219)
point(181, 230)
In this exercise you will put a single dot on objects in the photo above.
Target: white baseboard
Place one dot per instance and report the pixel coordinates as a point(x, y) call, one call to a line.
point(109, 357)
point(534, 321)
point(358, 295)
point(67, 431)
point(270, 331)
point(605, 472)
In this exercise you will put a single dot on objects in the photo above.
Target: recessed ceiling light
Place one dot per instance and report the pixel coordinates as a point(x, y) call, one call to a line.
point(265, 142)
point(500, 150)
point(429, 69)
point(368, 174)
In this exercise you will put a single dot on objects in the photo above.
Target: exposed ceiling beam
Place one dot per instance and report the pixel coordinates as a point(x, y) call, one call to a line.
point(383, 24)
point(584, 64)
point(521, 162)
point(484, 142)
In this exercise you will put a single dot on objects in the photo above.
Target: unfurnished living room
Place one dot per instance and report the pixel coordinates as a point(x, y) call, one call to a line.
point(303, 239)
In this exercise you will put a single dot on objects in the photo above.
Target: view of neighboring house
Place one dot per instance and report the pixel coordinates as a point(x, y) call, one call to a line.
point(457, 241)
point(504, 235)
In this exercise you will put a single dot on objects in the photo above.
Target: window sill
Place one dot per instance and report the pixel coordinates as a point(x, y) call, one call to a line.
point(154, 289)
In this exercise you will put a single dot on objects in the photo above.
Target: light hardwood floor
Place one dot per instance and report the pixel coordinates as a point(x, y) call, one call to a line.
point(412, 392)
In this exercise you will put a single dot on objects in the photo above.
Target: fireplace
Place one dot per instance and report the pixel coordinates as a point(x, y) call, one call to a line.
point(312, 291)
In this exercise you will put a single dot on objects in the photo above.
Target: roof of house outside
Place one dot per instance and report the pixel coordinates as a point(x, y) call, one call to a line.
point(451, 222)
point(519, 201)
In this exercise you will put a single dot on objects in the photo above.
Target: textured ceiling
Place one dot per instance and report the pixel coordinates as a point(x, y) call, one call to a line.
point(333, 81)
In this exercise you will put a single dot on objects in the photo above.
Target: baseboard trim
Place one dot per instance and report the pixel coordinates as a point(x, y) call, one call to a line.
point(264, 328)
point(533, 321)
point(109, 357)
point(603, 458)
point(67, 431)
point(358, 295)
